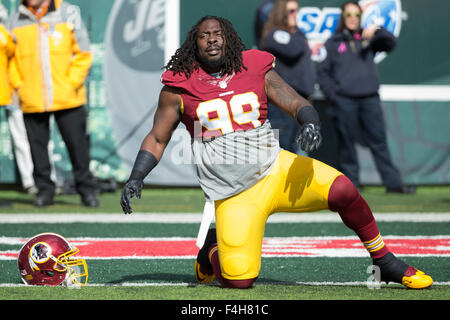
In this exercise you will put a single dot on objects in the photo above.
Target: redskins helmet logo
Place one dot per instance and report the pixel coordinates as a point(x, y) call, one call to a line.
point(40, 252)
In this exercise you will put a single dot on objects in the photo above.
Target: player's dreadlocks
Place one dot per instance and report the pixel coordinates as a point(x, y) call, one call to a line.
point(185, 58)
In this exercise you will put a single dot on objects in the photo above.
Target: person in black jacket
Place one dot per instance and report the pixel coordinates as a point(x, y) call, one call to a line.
point(348, 77)
point(262, 13)
point(282, 38)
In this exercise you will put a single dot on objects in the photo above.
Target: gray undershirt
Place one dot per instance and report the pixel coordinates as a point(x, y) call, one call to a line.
point(229, 164)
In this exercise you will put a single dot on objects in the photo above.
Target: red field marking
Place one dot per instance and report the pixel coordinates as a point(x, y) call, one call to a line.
point(272, 247)
point(350, 247)
point(136, 248)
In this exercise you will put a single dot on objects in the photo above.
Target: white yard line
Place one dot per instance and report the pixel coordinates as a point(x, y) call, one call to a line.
point(185, 284)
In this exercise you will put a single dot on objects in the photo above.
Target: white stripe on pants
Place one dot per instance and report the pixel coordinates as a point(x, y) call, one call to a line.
point(21, 146)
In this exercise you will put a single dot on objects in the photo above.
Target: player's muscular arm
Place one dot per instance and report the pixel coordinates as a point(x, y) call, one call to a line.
point(166, 120)
point(287, 99)
point(167, 117)
point(283, 95)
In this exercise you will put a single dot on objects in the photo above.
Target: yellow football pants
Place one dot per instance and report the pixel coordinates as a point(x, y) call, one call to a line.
point(294, 184)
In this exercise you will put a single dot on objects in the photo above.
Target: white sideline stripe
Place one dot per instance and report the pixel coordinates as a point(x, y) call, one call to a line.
point(271, 240)
point(408, 93)
point(415, 92)
point(196, 217)
point(184, 284)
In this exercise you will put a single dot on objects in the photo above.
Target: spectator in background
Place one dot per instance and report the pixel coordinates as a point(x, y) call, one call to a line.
point(14, 114)
point(48, 69)
point(288, 44)
point(261, 16)
point(349, 79)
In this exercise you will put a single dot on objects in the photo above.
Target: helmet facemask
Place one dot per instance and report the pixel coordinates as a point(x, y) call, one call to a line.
point(77, 272)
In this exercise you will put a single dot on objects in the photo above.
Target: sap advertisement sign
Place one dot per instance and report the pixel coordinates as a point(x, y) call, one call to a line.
point(319, 24)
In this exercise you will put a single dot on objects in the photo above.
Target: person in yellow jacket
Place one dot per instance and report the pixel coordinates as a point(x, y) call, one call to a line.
point(17, 130)
point(48, 70)
point(7, 46)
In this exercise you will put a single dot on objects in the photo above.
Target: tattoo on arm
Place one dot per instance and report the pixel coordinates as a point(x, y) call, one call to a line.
point(283, 95)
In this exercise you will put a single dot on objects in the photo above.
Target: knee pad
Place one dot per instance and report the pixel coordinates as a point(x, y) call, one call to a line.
point(235, 265)
point(232, 266)
point(342, 194)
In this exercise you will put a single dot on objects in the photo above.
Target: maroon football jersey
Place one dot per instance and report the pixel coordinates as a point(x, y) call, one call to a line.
point(222, 105)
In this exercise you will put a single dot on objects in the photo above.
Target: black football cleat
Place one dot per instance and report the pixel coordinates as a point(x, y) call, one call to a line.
point(203, 267)
point(402, 190)
point(393, 269)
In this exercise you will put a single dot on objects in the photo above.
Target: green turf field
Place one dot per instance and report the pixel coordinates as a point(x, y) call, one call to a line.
point(318, 277)
point(427, 199)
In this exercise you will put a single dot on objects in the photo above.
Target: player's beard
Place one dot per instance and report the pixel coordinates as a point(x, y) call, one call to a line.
point(212, 65)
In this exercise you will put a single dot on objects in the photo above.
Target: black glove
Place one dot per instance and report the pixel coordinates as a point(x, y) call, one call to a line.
point(309, 137)
point(144, 163)
point(131, 188)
